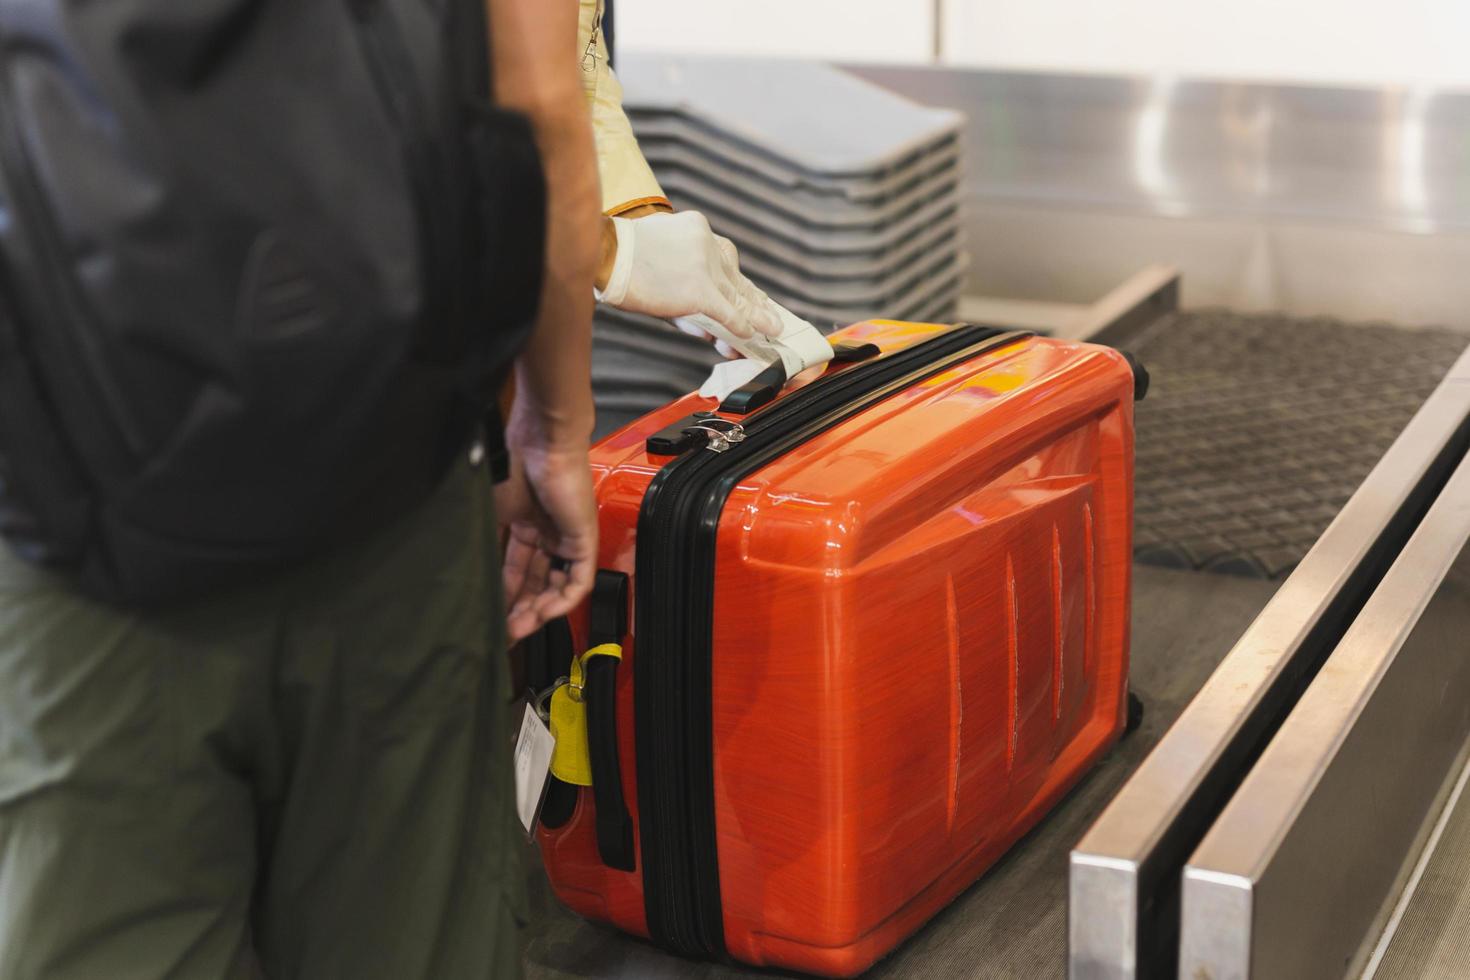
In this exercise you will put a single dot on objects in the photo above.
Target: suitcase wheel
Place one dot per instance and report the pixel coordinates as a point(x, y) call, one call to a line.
point(1140, 377)
point(1135, 714)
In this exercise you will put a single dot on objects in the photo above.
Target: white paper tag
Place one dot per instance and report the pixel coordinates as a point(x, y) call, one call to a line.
point(798, 347)
point(534, 747)
point(728, 376)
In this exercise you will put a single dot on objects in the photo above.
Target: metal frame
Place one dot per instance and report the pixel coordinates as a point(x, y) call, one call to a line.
point(1292, 198)
point(1297, 875)
point(1143, 298)
point(1125, 873)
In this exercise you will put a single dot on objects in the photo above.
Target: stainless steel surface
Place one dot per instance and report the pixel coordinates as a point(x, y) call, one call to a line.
point(1194, 148)
point(1125, 871)
point(1428, 936)
point(1020, 314)
point(1311, 851)
point(1147, 295)
point(1142, 298)
point(1350, 203)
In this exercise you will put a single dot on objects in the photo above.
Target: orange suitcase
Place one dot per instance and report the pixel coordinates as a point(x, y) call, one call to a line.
point(871, 633)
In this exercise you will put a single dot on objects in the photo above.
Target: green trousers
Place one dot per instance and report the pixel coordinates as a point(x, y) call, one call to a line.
point(309, 779)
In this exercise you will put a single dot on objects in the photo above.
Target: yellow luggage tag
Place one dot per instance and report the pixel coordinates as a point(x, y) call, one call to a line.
point(572, 760)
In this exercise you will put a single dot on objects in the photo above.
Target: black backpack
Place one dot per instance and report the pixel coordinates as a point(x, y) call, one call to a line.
point(263, 264)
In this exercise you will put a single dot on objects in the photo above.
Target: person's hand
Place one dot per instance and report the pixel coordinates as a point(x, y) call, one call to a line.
point(673, 265)
point(548, 509)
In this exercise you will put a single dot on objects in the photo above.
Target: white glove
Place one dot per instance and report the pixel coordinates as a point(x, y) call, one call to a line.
point(691, 326)
point(673, 265)
point(799, 347)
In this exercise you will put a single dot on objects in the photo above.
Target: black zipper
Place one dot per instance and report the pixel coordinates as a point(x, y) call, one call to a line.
point(673, 669)
point(391, 66)
point(58, 292)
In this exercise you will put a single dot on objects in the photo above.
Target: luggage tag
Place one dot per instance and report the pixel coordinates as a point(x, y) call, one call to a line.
point(572, 760)
point(535, 746)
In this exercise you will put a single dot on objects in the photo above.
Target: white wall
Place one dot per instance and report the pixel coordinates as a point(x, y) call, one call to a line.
point(1346, 42)
point(837, 30)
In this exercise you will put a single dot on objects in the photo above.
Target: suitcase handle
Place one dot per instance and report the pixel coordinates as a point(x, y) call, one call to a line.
point(695, 430)
point(548, 654)
point(608, 624)
point(764, 387)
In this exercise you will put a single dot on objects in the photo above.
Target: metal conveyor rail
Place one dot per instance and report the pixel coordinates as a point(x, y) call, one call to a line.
point(1297, 876)
point(1124, 894)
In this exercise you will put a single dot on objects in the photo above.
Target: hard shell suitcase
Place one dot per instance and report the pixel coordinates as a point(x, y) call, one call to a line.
point(870, 633)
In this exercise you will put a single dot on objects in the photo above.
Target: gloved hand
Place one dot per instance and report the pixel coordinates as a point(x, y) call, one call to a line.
point(673, 265)
point(691, 327)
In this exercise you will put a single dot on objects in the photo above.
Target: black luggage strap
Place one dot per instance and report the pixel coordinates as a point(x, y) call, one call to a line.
point(764, 387)
point(547, 656)
point(608, 625)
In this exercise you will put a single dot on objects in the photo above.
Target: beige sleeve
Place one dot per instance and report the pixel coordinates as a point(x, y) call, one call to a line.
point(627, 180)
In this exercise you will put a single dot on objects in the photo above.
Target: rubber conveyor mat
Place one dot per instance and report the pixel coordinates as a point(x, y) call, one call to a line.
point(1258, 428)
point(1013, 922)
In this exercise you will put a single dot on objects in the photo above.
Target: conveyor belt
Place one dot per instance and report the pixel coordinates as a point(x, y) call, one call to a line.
point(1013, 922)
point(1259, 428)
